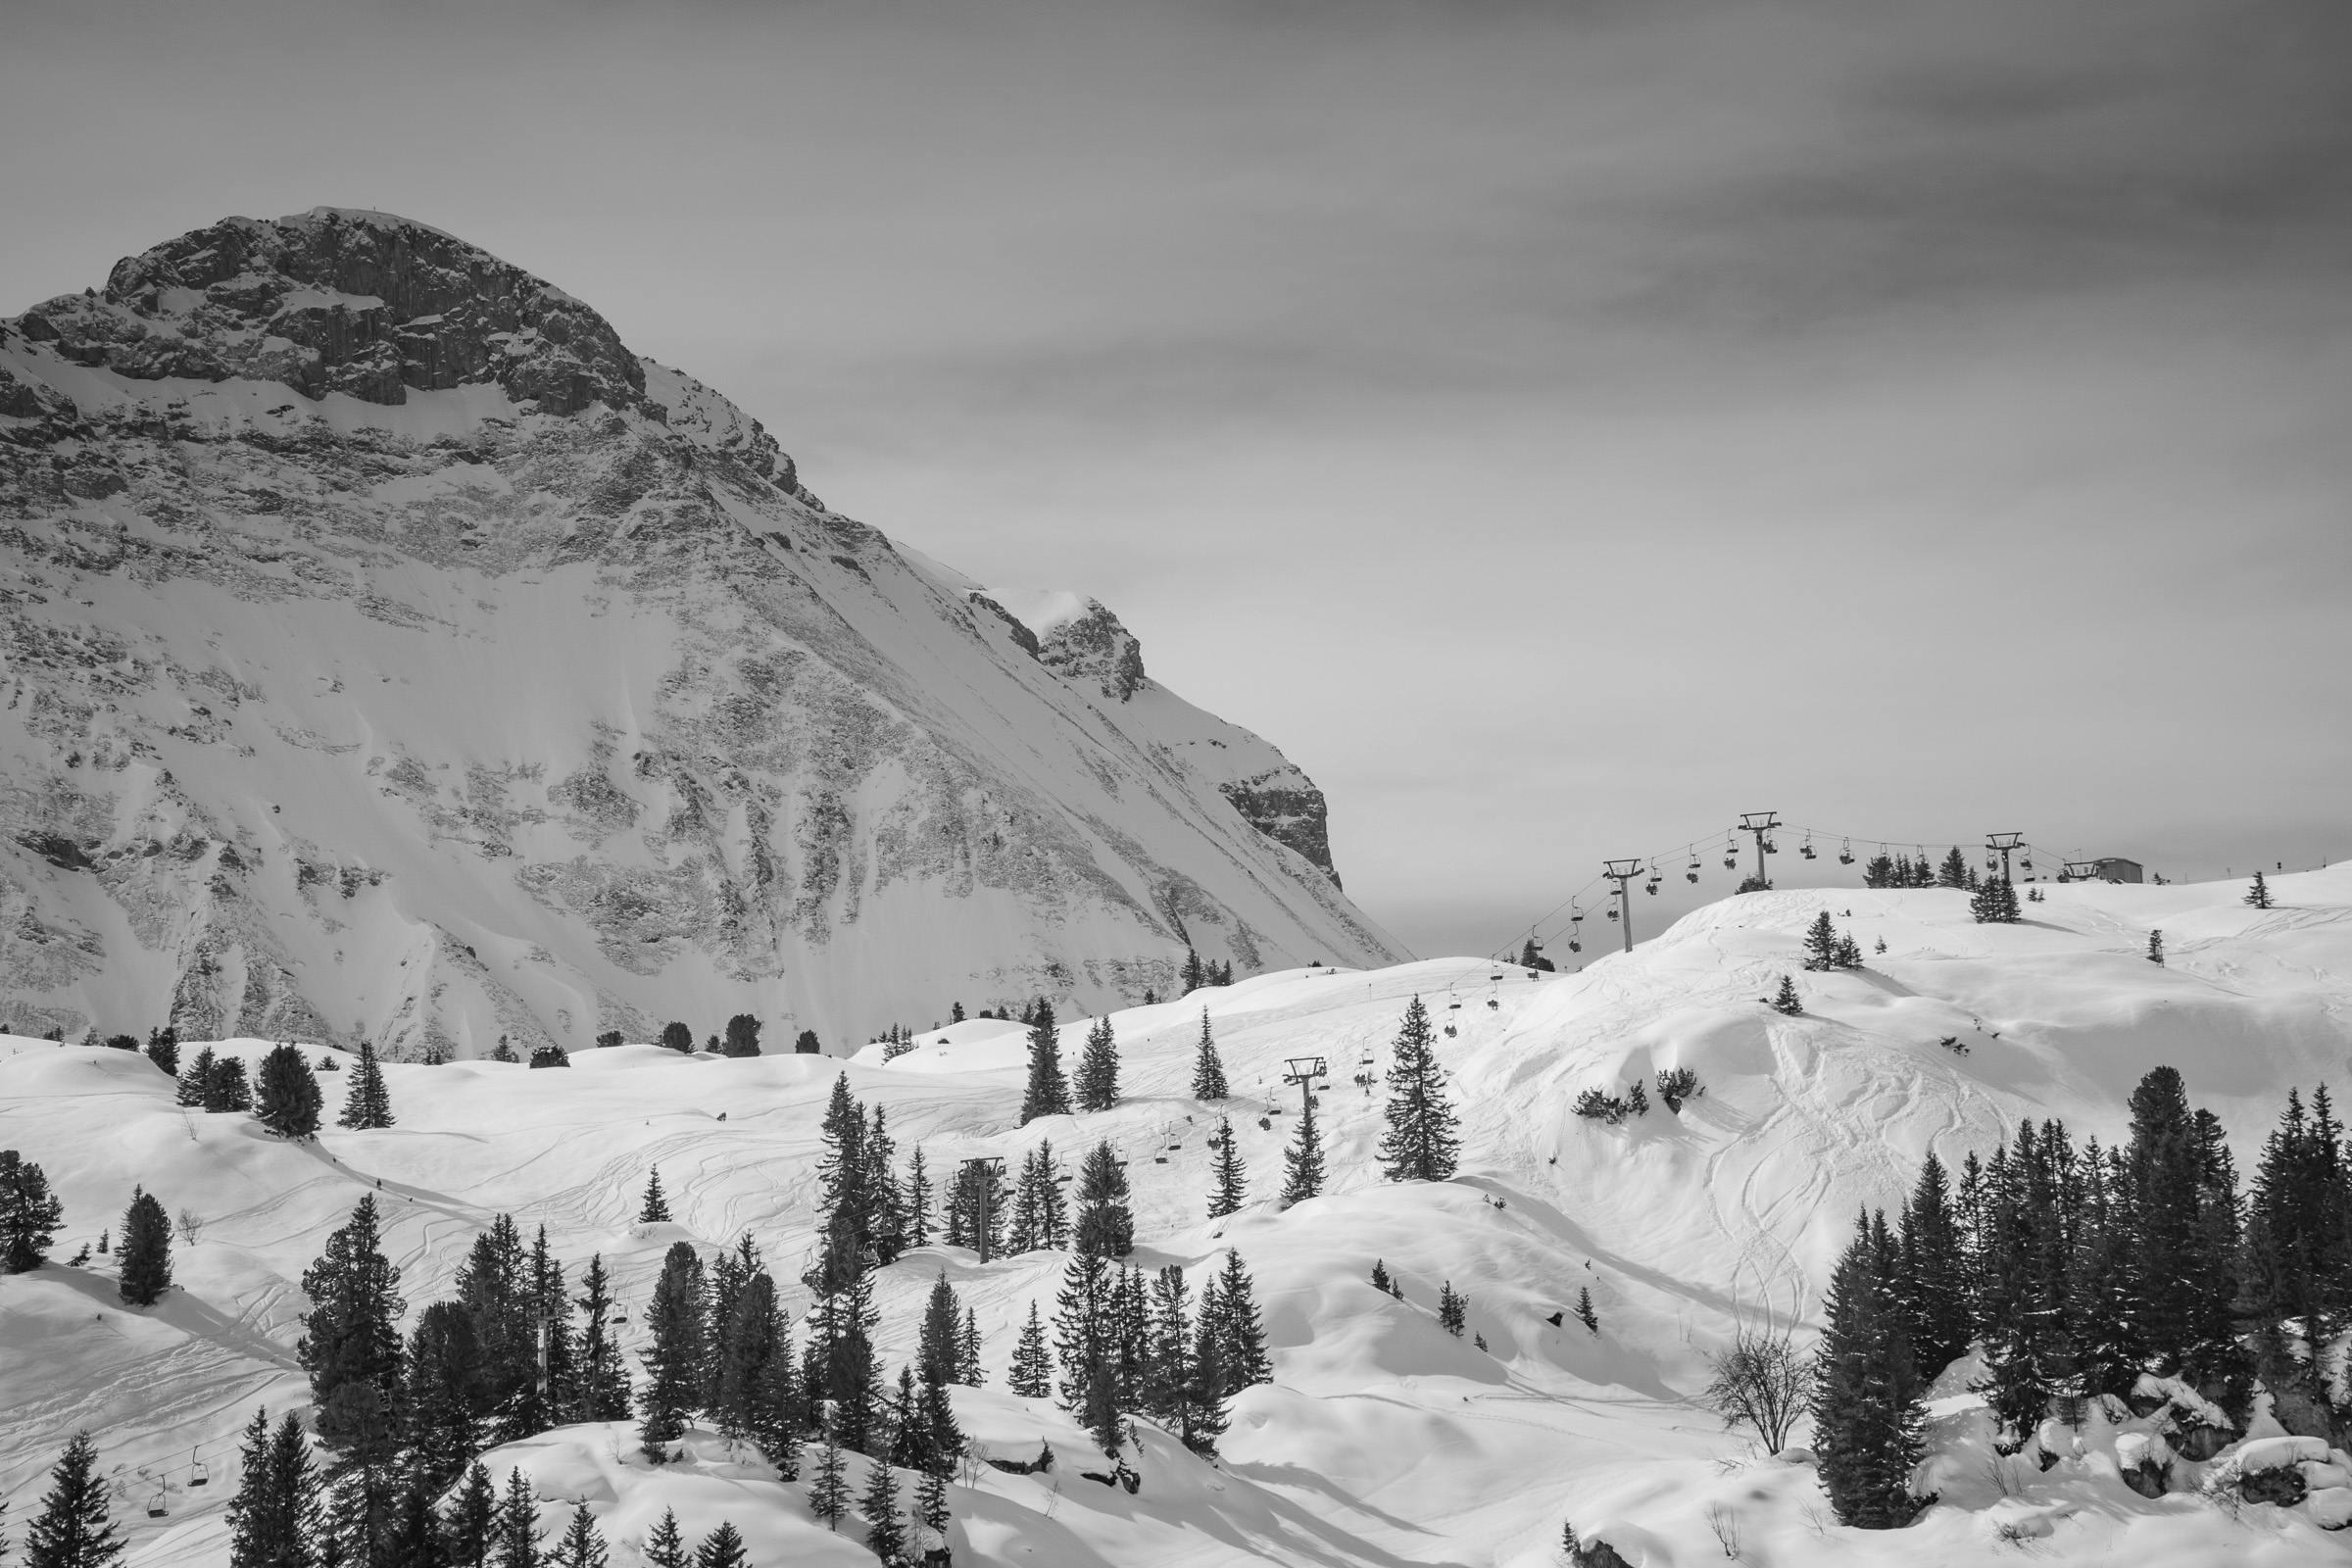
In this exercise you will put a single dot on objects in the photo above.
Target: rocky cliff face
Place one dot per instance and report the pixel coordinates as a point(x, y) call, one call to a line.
point(386, 650)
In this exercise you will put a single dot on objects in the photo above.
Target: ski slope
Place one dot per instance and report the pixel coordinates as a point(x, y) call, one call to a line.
point(1382, 1439)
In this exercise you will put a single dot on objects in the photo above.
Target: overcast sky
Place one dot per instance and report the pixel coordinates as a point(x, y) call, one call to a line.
point(1558, 427)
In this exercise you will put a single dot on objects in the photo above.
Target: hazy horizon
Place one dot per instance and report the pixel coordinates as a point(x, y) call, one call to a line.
point(1559, 429)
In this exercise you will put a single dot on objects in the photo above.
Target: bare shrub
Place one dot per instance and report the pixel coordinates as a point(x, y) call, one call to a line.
point(1762, 1381)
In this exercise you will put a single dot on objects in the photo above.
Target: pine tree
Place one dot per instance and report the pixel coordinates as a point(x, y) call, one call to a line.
point(603, 1376)
point(30, 1214)
point(723, 1547)
point(1176, 1392)
point(1865, 1415)
point(496, 1288)
point(367, 1103)
point(470, 1528)
point(195, 1080)
point(287, 1097)
point(350, 1344)
point(931, 1504)
point(1848, 953)
point(1933, 1283)
point(162, 1049)
point(275, 1514)
point(914, 1201)
point(753, 1393)
point(829, 1487)
point(676, 1037)
point(1084, 1335)
point(1105, 1226)
point(665, 1544)
point(2156, 946)
point(443, 1408)
point(1785, 1001)
point(1195, 975)
point(1953, 872)
point(743, 1036)
point(976, 1207)
point(555, 1395)
point(1231, 1304)
point(673, 1362)
point(1995, 902)
point(937, 1355)
point(225, 1088)
point(1583, 1308)
point(582, 1544)
point(1099, 1068)
point(252, 1538)
point(73, 1529)
point(1380, 1276)
point(1419, 1145)
point(2259, 895)
point(1821, 943)
point(1040, 1217)
point(1032, 1370)
point(1046, 1095)
point(1208, 1072)
point(655, 1210)
point(967, 1352)
point(515, 1537)
point(884, 1531)
point(1453, 1309)
point(1231, 1176)
point(1881, 946)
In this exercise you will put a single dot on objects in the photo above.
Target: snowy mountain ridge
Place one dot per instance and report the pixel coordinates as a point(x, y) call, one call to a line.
point(391, 653)
point(1381, 1439)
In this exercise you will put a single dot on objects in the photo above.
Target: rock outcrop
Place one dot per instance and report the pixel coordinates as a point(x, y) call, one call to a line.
point(386, 650)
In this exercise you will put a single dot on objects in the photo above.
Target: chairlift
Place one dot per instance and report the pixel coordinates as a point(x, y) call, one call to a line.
point(2026, 865)
point(1449, 1031)
point(198, 1474)
point(1690, 872)
point(155, 1507)
point(1845, 852)
point(1575, 945)
point(1770, 848)
point(1806, 848)
point(1612, 912)
point(1731, 853)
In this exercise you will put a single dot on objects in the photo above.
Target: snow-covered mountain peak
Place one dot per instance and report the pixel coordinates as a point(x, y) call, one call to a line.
point(389, 651)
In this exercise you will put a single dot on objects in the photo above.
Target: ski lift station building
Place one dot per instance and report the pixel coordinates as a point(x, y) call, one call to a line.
point(2115, 868)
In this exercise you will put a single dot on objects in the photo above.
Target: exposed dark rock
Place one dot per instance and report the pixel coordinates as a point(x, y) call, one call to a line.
point(2150, 1479)
point(2281, 1484)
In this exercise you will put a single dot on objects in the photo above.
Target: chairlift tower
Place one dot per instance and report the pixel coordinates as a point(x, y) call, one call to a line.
point(1302, 1071)
point(1623, 872)
point(1760, 824)
point(983, 1190)
point(2003, 843)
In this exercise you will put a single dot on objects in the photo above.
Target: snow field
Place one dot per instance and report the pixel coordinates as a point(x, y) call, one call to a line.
point(1383, 1439)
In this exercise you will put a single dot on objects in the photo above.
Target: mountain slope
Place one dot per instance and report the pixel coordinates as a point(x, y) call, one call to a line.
point(1382, 1439)
point(388, 651)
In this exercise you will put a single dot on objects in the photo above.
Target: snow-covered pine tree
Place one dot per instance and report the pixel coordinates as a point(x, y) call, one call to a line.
point(2259, 895)
point(367, 1103)
point(1932, 1280)
point(1105, 1226)
point(494, 1285)
point(1380, 1276)
point(1183, 1393)
point(1785, 1001)
point(349, 1341)
point(914, 1200)
point(517, 1533)
point(224, 1087)
point(582, 1544)
point(31, 1215)
point(1881, 947)
point(1241, 1336)
point(1420, 1143)
point(287, 1097)
point(471, 1524)
point(146, 1250)
point(603, 1376)
point(938, 1354)
point(666, 1543)
point(1866, 1416)
point(1303, 1162)
point(673, 1360)
point(1583, 1308)
point(1208, 1071)
point(1099, 1068)
point(2156, 946)
point(1047, 1093)
point(195, 1078)
point(1821, 943)
point(1226, 1170)
point(75, 1529)
point(1995, 902)
point(828, 1482)
point(654, 1210)
point(1032, 1370)
point(1453, 1309)
point(1953, 872)
point(885, 1218)
point(968, 1371)
point(442, 1404)
point(885, 1529)
point(1637, 1098)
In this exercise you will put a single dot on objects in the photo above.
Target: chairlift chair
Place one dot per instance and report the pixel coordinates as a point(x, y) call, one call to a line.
point(198, 1474)
point(1845, 852)
point(1575, 945)
point(155, 1507)
point(1806, 848)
